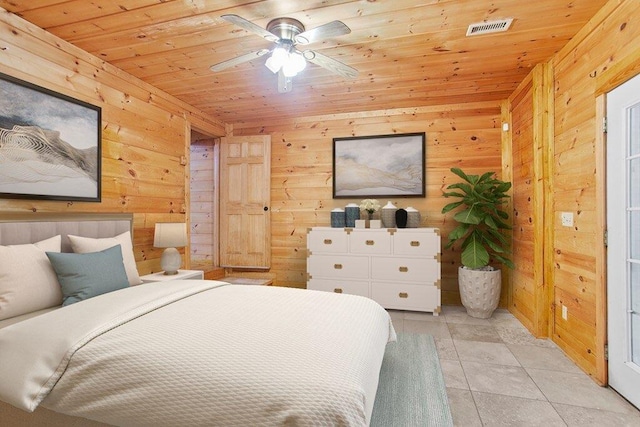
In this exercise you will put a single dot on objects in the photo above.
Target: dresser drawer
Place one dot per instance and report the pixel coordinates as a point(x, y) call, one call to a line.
point(370, 242)
point(401, 269)
point(406, 296)
point(338, 266)
point(352, 287)
point(327, 241)
point(426, 243)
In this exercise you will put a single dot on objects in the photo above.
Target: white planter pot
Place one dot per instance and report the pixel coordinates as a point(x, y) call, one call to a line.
point(479, 291)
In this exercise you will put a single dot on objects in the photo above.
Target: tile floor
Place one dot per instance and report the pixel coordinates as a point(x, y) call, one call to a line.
point(498, 374)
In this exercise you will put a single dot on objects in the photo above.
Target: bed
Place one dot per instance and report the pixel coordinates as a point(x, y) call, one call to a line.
point(183, 352)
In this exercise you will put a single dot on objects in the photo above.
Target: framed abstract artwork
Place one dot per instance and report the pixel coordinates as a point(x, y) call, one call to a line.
point(379, 166)
point(50, 144)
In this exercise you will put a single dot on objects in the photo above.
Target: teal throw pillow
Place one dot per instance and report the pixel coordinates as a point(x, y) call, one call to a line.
point(82, 276)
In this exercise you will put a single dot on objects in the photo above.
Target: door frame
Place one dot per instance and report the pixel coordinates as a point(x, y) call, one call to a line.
point(215, 260)
point(204, 128)
point(622, 71)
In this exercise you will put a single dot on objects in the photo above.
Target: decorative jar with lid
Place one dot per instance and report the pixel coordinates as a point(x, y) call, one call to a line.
point(413, 218)
point(338, 218)
point(351, 213)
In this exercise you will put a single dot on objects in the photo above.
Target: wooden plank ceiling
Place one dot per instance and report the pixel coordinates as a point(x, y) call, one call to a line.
point(408, 53)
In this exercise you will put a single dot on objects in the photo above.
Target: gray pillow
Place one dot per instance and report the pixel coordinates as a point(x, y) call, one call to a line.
point(82, 276)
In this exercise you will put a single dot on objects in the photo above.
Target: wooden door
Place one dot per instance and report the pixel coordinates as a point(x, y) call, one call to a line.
point(245, 190)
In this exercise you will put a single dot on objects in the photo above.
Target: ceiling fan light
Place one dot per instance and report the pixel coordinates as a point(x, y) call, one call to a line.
point(289, 70)
point(278, 58)
point(294, 65)
point(273, 65)
point(298, 61)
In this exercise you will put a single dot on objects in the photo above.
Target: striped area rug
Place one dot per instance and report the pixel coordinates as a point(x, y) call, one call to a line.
point(411, 390)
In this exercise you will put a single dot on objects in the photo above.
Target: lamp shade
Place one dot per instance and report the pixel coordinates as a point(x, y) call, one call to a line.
point(277, 59)
point(170, 235)
point(294, 64)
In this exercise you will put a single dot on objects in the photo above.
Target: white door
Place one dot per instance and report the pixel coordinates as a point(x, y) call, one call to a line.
point(623, 225)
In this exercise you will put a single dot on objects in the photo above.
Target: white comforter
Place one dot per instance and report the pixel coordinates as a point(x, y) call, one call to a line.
point(201, 353)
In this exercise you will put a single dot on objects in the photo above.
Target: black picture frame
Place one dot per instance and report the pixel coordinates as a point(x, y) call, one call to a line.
point(379, 166)
point(50, 144)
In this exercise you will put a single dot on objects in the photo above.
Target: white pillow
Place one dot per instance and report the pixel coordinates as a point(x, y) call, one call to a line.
point(28, 282)
point(83, 245)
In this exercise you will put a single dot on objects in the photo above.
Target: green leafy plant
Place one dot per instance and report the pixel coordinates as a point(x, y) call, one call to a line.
point(481, 219)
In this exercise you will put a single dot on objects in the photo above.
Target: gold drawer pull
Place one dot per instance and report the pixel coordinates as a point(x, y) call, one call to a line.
point(337, 266)
point(403, 295)
point(370, 242)
point(327, 241)
point(415, 243)
point(337, 290)
point(403, 269)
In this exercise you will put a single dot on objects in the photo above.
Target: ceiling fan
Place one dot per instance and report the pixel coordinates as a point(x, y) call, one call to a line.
point(286, 60)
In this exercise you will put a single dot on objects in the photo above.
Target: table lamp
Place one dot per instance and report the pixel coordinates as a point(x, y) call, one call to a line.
point(170, 235)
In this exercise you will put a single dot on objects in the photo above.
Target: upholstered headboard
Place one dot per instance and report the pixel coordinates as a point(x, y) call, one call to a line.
point(23, 228)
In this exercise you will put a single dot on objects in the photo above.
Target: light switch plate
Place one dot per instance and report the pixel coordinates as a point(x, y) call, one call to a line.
point(567, 219)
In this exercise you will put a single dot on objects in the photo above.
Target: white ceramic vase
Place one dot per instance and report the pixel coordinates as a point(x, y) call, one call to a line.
point(479, 291)
point(388, 215)
point(413, 218)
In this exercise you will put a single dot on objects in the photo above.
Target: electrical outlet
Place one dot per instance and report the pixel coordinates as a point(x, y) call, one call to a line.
point(564, 312)
point(567, 219)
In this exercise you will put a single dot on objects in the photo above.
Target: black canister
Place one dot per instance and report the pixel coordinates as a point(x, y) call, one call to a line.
point(401, 218)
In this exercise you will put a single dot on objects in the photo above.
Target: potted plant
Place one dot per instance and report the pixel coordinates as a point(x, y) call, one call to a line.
point(481, 222)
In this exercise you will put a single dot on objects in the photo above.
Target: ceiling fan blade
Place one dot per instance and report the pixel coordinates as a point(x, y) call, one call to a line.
point(331, 29)
point(285, 84)
point(250, 26)
point(330, 64)
point(238, 60)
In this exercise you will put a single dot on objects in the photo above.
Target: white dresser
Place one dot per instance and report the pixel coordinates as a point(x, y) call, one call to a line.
point(398, 268)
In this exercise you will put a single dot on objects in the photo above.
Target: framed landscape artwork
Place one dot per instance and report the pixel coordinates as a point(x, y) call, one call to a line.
point(49, 144)
point(379, 166)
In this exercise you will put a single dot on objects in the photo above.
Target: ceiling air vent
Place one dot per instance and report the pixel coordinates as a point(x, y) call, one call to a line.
point(489, 27)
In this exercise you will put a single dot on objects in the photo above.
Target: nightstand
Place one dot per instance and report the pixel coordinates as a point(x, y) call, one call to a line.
point(182, 275)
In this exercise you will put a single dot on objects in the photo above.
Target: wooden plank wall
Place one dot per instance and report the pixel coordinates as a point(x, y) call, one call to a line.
point(531, 108)
point(145, 138)
point(523, 286)
point(145, 132)
point(463, 135)
point(203, 206)
point(611, 37)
